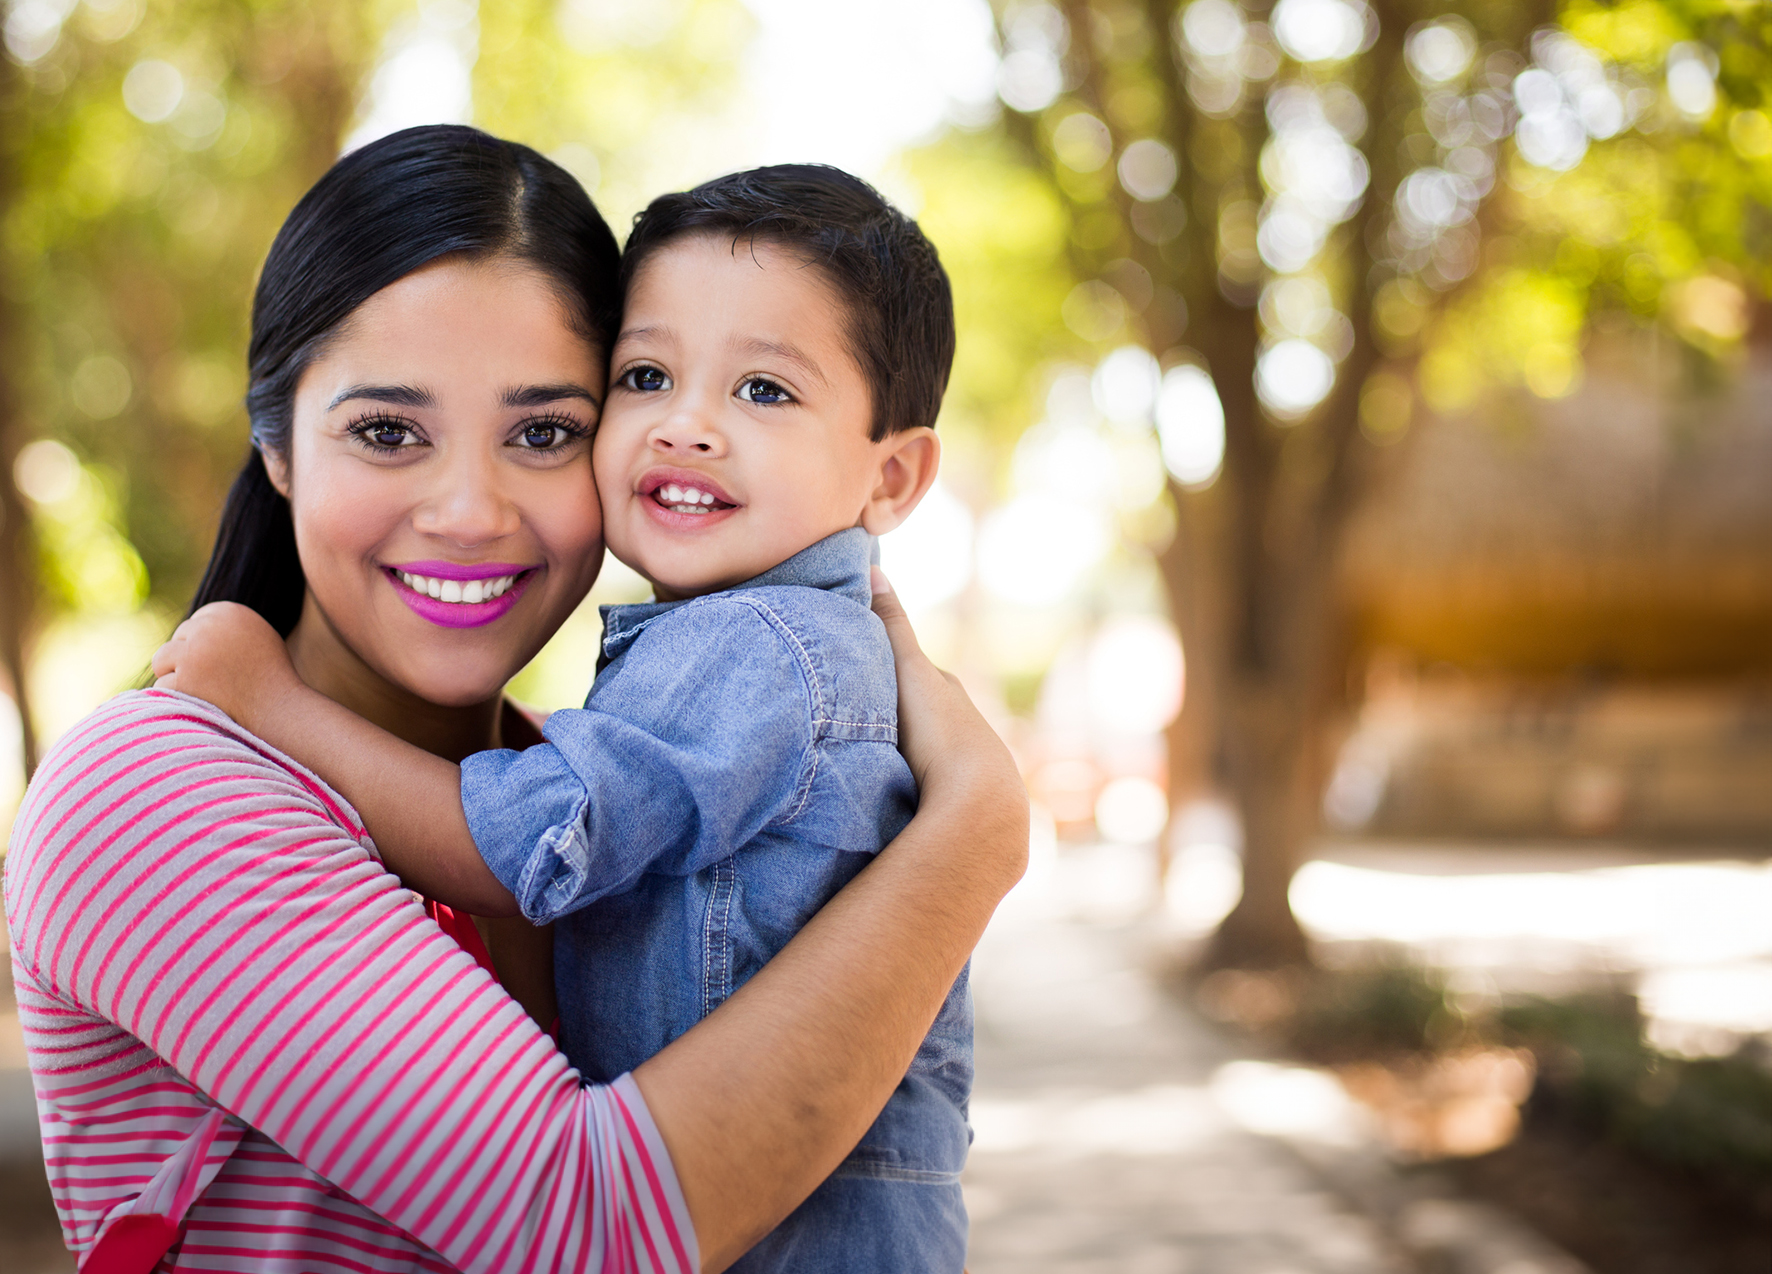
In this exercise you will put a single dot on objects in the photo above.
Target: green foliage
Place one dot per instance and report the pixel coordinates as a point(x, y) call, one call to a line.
point(1668, 223)
point(1001, 234)
point(1385, 1008)
point(1712, 1116)
point(130, 249)
point(632, 109)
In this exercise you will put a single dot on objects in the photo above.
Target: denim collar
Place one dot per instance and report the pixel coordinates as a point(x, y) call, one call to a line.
point(838, 564)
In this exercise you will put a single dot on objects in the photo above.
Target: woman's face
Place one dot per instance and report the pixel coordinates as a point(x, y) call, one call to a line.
point(439, 474)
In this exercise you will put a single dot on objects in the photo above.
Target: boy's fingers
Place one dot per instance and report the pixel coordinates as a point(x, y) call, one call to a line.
point(165, 659)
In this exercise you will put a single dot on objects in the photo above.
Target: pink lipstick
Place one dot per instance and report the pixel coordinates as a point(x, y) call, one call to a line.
point(460, 594)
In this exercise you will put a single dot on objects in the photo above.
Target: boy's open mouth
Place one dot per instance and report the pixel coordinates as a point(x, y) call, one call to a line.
point(682, 492)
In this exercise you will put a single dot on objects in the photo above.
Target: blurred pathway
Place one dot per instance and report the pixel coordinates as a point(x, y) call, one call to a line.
point(1105, 1118)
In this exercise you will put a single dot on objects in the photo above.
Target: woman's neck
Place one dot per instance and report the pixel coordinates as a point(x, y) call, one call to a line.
point(327, 664)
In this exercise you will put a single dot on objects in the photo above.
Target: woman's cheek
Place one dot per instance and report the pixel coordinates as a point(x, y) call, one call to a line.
point(343, 515)
point(568, 519)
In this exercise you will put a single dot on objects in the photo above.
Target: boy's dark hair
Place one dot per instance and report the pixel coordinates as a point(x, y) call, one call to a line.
point(901, 310)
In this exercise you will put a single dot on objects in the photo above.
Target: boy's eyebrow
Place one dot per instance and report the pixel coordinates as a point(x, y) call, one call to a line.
point(781, 349)
point(655, 331)
point(752, 345)
point(541, 395)
point(399, 395)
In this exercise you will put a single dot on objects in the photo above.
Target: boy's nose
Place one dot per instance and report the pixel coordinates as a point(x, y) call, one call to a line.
point(687, 431)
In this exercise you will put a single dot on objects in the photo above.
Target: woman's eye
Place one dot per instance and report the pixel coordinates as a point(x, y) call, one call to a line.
point(542, 435)
point(386, 435)
point(648, 380)
point(764, 392)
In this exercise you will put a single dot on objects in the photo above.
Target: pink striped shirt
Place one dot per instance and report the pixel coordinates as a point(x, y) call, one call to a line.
point(238, 1023)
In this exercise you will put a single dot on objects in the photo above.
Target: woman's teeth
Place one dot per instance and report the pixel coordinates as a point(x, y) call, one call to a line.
point(684, 499)
point(467, 592)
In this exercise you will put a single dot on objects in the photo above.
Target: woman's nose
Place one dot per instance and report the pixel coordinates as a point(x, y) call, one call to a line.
point(467, 507)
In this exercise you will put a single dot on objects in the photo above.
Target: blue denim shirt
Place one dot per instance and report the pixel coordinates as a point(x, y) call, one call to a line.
point(735, 765)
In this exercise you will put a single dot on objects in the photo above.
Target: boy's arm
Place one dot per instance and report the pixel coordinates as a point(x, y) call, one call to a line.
point(702, 737)
point(409, 799)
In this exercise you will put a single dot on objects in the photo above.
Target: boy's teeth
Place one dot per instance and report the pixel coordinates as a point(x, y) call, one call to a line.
point(463, 592)
point(679, 499)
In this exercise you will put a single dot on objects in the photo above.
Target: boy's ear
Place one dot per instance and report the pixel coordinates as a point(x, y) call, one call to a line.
point(276, 469)
point(908, 463)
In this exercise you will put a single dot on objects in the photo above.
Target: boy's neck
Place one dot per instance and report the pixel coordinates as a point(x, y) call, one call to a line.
point(662, 592)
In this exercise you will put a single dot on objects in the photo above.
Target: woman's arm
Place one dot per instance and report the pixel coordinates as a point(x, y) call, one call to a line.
point(760, 1102)
point(756, 1105)
point(227, 654)
point(173, 886)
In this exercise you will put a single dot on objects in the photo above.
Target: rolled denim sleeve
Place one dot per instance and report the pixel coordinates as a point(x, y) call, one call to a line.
point(691, 744)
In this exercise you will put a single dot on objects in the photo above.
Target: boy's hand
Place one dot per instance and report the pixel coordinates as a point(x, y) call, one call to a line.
point(226, 653)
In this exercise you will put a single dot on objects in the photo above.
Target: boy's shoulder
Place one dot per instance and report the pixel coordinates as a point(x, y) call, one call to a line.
point(793, 614)
point(837, 647)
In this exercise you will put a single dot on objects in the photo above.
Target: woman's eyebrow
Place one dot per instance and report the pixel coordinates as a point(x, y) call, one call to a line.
point(539, 395)
point(399, 395)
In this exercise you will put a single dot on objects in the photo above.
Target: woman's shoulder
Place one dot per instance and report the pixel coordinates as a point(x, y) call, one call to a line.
point(163, 749)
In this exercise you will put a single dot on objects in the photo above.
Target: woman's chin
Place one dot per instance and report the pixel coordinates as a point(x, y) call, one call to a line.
point(458, 683)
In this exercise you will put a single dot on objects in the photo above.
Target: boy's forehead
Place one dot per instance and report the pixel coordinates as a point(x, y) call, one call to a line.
point(760, 295)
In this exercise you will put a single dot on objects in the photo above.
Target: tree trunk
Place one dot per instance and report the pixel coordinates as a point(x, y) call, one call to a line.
point(1195, 591)
point(1266, 747)
point(17, 560)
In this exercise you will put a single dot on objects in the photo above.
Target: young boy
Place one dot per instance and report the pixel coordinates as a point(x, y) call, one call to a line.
point(785, 344)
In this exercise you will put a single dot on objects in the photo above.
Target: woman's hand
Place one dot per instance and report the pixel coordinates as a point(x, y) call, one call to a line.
point(948, 744)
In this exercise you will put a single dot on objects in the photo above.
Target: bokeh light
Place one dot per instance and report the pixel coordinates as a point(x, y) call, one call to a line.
point(1134, 675)
point(1323, 30)
point(929, 558)
point(1124, 386)
point(1039, 548)
point(1292, 376)
point(1190, 425)
point(1131, 811)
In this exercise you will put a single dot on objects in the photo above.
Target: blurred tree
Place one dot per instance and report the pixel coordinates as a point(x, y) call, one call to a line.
point(17, 580)
point(1334, 213)
point(632, 98)
point(151, 149)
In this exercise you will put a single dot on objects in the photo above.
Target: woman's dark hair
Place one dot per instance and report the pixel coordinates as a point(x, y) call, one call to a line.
point(377, 215)
point(901, 309)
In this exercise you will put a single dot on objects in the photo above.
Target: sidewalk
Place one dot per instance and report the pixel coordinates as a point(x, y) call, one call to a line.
point(1107, 1130)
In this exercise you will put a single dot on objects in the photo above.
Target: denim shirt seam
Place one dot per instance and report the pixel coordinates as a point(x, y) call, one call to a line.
point(785, 632)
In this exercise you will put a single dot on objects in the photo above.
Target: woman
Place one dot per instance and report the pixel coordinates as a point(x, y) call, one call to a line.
point(252, 1049)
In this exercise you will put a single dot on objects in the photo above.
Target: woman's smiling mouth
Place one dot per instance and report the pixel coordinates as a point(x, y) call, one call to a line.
point(453, 595)
point(448, 590)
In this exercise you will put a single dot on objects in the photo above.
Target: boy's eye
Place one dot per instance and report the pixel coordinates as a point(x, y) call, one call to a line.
point(648, 380)
point(764, 392)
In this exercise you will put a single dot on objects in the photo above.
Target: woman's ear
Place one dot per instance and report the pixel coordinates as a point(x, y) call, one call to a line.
point(276, 469)
point(908, 463)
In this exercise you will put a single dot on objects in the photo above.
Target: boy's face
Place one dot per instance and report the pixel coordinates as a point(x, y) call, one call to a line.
point(736, 430)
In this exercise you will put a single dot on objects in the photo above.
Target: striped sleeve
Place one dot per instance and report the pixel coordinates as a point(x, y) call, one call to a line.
point(174, 881)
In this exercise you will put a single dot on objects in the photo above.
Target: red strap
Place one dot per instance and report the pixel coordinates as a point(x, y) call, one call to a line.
point(460, 926)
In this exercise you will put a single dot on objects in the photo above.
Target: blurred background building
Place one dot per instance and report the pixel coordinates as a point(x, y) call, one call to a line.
point(1357, 504)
